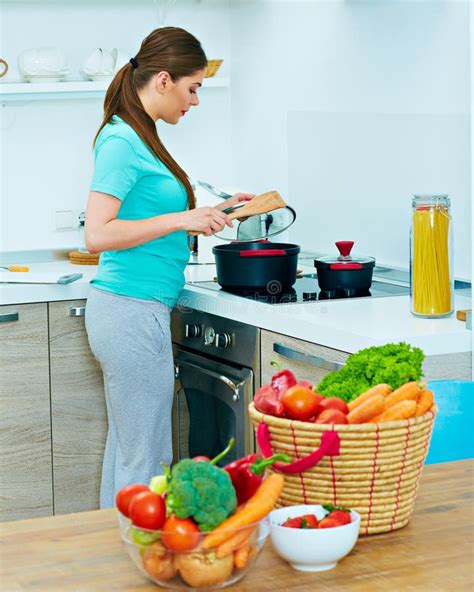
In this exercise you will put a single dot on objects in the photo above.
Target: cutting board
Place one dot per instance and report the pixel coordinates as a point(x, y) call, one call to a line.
point(14, 277)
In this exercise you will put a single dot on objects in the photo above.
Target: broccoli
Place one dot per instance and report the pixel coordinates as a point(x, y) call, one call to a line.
point(393, 364)
point(201, 491)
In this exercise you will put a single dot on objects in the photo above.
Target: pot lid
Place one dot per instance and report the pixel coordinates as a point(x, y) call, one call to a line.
point(345, 258)
point(258, 227)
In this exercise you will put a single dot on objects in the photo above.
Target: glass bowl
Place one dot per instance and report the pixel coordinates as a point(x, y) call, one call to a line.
point(208, 569)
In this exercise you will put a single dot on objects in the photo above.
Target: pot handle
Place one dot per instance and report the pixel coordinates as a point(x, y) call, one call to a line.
point(330, 444)
point(344, 266)
point(267, 253)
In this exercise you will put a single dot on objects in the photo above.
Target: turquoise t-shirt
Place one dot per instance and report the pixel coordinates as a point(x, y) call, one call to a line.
point(125, 168)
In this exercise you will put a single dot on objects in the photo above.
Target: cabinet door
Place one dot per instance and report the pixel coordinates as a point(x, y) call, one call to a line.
point(79, 421)
point(308, 361)
point(26, 487)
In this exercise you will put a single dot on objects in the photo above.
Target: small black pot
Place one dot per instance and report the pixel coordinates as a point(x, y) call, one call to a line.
point(256, 266)
point(344, 272)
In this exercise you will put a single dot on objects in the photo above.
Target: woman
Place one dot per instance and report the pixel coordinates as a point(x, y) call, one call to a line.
point(141, 207)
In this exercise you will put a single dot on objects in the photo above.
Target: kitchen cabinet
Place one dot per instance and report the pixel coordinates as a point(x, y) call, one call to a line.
point(53, 422)
point(78, 412)
point(26, 482)
point(308, 361)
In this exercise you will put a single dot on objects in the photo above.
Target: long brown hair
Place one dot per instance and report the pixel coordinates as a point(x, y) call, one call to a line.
point(168, 49)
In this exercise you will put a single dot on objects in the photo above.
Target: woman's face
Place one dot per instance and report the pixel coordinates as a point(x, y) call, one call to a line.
point(180, 96)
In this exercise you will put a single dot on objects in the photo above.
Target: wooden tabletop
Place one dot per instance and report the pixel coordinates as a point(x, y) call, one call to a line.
point(83, 552)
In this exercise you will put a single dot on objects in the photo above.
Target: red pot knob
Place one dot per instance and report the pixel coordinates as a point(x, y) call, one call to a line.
point(345, 247)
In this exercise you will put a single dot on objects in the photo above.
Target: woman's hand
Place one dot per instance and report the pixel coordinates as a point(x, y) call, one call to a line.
point(205, 220)
point(234, 200)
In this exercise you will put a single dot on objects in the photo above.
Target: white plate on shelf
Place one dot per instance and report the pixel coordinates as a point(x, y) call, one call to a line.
point(44, 77)
point(99, 77)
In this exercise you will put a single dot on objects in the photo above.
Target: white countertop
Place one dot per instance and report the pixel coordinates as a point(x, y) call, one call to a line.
point(347, 325)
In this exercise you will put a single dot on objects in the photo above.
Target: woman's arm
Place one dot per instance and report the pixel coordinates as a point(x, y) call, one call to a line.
point(103, 232)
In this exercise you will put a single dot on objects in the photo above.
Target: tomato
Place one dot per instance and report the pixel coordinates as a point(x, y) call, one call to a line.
point(305, 383)
point(124, 497)
point(300, 402)
point(201, 458)
point(331, 416)
point(180, 534)
point(147, 510)
point(334, 403)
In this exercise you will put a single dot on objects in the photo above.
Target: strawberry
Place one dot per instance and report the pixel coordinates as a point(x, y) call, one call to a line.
point(328, 523)
point(292, 522)
point(309, 521)
point(341, 516)
point(306, 521)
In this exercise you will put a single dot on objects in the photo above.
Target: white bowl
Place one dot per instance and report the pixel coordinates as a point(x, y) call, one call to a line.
point(312, 549)
point(42, 61)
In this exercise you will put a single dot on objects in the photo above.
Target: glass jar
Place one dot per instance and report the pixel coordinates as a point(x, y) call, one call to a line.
point(431, 262)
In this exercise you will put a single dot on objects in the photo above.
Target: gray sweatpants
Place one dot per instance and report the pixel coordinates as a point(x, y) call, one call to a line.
point(131, 339)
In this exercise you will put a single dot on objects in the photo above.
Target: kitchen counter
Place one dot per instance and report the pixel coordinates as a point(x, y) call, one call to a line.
point(434, 552)
point(346, 325)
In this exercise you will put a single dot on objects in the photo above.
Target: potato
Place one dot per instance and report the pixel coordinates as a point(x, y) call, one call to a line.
point(158, 562)
point(204, 569)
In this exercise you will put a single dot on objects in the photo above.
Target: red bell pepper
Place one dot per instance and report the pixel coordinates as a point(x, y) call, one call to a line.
point(247, 473)
point(282, 380)
point(267, 401)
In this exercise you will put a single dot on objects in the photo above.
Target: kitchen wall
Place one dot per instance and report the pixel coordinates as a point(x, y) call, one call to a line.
point(47, 145)
point(347, 107)
point(350, 107)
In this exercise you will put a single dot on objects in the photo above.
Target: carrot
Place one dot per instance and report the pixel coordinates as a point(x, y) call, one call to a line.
point(237, 540)
point(407, 392)
point(241, 556)
point(256, 508)
point(373, 406)
point(379, 389)
point(424, 402)
point(401, 410)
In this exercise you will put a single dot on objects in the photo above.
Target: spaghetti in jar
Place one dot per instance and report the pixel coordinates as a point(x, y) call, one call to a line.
point(431, 266)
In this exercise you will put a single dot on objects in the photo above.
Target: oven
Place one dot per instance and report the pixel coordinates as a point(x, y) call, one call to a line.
point(217, 371)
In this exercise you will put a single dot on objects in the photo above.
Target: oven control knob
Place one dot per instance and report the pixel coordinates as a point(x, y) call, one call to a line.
point(193, 331)
point(222, 340)
point(209, 336)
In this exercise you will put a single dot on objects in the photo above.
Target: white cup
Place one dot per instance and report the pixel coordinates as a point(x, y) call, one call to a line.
point(120, 58)
point(42, 61)
point(100, 62)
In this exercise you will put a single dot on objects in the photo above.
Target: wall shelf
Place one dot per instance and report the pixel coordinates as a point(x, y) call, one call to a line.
point(79, 89)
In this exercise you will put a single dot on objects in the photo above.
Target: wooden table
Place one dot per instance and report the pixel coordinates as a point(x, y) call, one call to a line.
point(83, 552)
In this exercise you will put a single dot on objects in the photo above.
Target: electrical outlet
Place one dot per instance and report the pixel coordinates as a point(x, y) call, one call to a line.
point(64, 220)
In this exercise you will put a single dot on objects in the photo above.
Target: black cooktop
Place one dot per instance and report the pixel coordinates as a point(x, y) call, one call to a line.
point(306, 289)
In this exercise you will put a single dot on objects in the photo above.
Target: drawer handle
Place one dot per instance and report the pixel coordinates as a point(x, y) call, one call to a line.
point(8, 317)
point(77, 311)
point(292, 354)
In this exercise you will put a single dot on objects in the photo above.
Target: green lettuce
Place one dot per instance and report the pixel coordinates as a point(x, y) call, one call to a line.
point(393, 364)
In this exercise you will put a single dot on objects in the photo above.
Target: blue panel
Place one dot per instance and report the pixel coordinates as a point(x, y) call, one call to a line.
point(453, 432)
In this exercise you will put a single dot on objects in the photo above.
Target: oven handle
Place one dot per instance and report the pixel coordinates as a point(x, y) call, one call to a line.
point(235, 388)
point(292, 354)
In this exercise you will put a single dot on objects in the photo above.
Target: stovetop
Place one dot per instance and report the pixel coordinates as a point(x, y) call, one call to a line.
point(306, 289)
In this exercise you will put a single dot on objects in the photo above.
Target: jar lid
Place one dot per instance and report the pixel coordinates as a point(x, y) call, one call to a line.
point(345, 259)
point(431, 199)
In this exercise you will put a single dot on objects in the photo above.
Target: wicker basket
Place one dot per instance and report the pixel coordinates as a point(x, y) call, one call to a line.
point(212, 67)
point(376, 472)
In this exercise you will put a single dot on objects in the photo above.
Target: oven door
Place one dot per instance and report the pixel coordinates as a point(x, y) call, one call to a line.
point(210, 407)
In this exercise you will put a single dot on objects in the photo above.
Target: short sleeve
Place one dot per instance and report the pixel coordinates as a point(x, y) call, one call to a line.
point(116, 167)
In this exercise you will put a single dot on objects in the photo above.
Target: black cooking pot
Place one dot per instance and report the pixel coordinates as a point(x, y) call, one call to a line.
point(256, 266)
point(344, 272)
